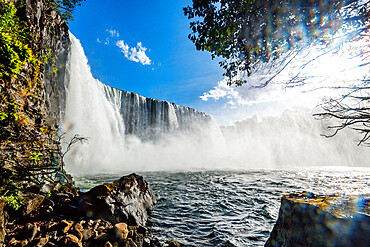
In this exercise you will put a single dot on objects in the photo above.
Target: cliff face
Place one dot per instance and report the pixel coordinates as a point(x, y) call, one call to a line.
point(149, 119)
point(27, 139)
point(306, 219)
point(52, 39)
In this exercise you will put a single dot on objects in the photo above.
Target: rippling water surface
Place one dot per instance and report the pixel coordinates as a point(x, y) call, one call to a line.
point(232, 208)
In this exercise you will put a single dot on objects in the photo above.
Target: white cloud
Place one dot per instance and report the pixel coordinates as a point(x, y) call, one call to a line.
point(241, 95)
point(136, 54)
point(112, 32)
point(98, 40)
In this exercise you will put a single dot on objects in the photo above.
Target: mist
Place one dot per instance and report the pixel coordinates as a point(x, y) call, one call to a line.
point(187, 140)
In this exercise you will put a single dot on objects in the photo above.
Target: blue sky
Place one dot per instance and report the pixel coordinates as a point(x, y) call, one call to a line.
point(176, 72)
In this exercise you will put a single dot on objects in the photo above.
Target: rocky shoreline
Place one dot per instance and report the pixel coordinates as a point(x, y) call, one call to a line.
point(112, 214)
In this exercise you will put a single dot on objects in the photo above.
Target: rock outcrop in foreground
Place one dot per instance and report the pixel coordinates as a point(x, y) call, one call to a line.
point(306, 219)
point(112, 214)
point(129, 200)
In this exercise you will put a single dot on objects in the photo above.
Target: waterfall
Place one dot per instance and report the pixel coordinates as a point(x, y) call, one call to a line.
point(89, 114)
point(127, 131)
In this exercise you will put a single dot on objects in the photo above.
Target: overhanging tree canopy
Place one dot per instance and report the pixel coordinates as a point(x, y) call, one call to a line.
point(246, 32)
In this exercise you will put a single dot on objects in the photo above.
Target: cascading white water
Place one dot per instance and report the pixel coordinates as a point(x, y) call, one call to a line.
point(89, 114)
point(129, 132)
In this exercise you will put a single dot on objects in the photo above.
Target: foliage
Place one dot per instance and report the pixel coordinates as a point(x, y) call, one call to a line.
point(16, 55)
point(12, 200)
point(246, 32)
point(65, 7)
point(15, 52)
point(251, 34)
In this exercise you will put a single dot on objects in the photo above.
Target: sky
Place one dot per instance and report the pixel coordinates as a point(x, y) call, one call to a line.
point(143, 47)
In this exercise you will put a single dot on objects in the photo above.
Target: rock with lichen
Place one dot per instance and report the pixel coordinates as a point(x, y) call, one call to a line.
point(307, 219)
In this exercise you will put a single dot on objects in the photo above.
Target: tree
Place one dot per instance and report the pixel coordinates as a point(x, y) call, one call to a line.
point(65, 7)
point(247, 32)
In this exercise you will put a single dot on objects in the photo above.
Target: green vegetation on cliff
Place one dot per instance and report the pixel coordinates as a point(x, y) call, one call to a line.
point(15, 55)
point(14, 49)
point(28, 152)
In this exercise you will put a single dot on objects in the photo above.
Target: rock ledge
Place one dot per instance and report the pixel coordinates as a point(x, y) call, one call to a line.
point(307, 219)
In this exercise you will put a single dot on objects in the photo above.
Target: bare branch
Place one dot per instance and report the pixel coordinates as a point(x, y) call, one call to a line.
point(75, 139)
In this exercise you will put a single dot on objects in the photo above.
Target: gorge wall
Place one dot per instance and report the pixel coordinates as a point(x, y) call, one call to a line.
point(30, 98)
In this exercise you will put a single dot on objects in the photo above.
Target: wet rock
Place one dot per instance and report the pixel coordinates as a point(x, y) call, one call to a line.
point(173, 243)
point(128, 200)
point(87, 234)
point(141, 230)
point(306, 219)
point(146, 242)
point(106, 244)
point(61, 228)
point(78, 234)
point(42, 242)
point(155, 242)
point(51, 244)
point(78, 227)
point(24, 242)
point(129, 243)
point(78, 230)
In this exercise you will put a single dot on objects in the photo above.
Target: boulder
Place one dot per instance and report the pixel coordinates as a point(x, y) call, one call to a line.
point(173, 243)
point(306, 219)
point(120, 230)
point(128, 200)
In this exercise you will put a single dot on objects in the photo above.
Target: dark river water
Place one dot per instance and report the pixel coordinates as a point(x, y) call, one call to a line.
point(232, 208)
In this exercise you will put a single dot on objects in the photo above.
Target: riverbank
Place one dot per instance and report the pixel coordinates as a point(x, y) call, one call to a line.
point(111, 214)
